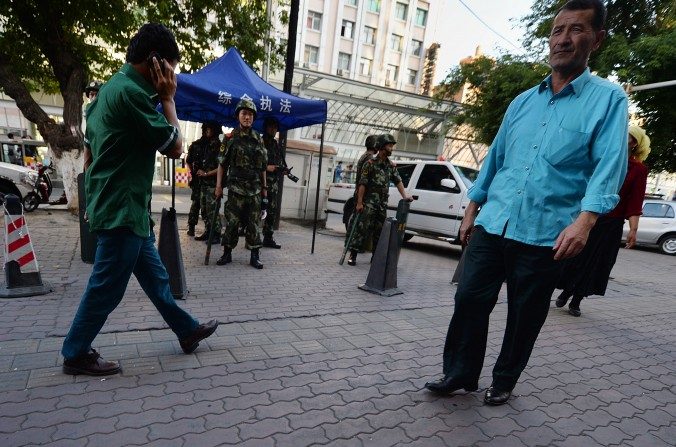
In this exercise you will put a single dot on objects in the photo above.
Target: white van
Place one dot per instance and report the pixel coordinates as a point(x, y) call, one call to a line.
point(437, 209)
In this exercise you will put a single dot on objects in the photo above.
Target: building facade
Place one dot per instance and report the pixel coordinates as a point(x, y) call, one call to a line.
point(380, 42)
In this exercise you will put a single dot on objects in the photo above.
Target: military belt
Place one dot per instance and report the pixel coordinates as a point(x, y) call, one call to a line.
point(243, 174)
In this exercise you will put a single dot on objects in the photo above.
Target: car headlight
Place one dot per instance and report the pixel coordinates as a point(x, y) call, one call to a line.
point(29, 178)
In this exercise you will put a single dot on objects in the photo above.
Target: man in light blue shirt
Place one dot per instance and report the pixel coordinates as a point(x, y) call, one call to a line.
point(557, 162)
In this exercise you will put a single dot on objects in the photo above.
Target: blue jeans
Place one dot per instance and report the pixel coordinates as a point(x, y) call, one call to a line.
point(119, 253)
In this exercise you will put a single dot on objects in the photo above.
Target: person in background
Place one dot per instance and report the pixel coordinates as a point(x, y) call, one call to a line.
point(338, 173)
point(588, 273)
point(193, 160)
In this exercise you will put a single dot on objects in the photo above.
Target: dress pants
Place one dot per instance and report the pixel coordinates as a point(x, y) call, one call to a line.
point(119, 253)
point(531, 274)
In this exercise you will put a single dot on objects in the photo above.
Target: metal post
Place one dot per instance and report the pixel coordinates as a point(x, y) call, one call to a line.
point(319, 179)
point(288, 80)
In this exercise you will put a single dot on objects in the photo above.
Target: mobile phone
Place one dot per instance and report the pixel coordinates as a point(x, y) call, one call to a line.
point(151, 64)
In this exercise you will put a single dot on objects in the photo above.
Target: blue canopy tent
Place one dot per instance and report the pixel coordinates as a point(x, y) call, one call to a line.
point(212, 93)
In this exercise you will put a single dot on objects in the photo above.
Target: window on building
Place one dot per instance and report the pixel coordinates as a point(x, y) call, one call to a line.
point(401, 11)
point(365, 66)
point(347, 29)
point(344, 60)
point(314, 20)
point(311, 55)
point(369, 36)
point(351, 2)
point(421, 17)
point(391, 75)
point(416, 47)
point(396, 42)
point(412, 76)
point(373, 5)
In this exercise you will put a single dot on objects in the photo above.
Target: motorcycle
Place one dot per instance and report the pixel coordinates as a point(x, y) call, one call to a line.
point(42, 188)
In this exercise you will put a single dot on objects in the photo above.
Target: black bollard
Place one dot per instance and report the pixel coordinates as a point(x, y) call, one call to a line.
point(382, 277)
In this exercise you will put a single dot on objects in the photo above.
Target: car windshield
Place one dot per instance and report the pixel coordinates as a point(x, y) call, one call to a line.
point(468, 175)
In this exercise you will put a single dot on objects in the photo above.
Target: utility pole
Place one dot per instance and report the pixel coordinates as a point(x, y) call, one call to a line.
point(288, 80)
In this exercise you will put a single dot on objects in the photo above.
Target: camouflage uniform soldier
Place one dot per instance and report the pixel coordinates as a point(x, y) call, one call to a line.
point(207, 175)
point(275, 170)
point(370, 152)
point(243, 160)
point(372, 194)
point(192, 160)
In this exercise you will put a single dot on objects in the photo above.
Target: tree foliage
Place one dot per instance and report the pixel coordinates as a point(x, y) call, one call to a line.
point(639, 49)
point(494, 83)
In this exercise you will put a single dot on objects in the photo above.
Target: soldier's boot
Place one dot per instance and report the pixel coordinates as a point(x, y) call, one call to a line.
point(255, 261)
point(191, 230)
point(203, 237)
point(269, 242)
point(352, 260)
point(226, 258)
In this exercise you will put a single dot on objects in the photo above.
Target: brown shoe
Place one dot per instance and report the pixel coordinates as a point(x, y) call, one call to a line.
point(90, 364)
point(204, 330)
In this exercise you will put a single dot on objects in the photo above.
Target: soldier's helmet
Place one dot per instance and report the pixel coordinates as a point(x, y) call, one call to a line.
point(214, 126)
point(384, 139)
point(246, 104)
point(370, 142)
point(93, 86)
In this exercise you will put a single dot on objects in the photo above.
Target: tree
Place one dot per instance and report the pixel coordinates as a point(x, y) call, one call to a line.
point(639, 49)
point(57, 46)
point(494, 84)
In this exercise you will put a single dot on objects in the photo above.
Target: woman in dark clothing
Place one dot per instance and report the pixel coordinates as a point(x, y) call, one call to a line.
point(588, 273)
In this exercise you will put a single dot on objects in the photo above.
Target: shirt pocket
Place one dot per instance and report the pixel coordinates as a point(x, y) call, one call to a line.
point(567, 147)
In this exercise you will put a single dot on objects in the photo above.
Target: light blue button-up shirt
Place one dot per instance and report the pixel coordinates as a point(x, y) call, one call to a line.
point(554, 156)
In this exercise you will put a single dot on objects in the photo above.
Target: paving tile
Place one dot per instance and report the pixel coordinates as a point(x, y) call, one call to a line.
point(245, 354)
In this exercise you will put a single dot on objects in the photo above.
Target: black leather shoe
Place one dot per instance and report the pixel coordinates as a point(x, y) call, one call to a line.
point(255, 260)
point(495, 396)
point(562, 299)
point(191, 230)
point(202, 237)
point(447, 385)
point(202, 331)
point(226, 258)
point(352, 260)
point(270, 243)
point(90, 364)
point(574, 311)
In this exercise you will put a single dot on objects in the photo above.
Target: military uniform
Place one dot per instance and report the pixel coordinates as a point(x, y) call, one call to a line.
point(274, 153)
point(243, 158)
point(194, 159)
point(209, 162)
point(376, 174)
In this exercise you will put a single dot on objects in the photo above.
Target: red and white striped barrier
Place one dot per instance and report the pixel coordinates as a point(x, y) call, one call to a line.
point(18, 244)
point(22, 274)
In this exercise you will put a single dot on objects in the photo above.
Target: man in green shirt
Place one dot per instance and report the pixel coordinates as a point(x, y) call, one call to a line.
point(124, 130)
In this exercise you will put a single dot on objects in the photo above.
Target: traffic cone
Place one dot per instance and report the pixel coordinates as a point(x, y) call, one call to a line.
point(22, 274)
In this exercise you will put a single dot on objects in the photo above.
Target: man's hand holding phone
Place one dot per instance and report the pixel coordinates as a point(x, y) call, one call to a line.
point(163, 76)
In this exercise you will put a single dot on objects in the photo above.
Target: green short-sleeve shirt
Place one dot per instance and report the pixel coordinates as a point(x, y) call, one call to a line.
point(124, 130)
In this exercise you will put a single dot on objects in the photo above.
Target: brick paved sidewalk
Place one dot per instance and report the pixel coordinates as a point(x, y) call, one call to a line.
point(303, 357)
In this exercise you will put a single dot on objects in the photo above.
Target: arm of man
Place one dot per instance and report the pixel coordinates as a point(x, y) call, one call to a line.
point(635, 204)
point(223, 166)
point(404, 195)
point(87, 156)
point(609, 152)
point(359, 207)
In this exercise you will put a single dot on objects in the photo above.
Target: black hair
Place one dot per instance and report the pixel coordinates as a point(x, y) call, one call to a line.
point(152, 37)
point(600, 12)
